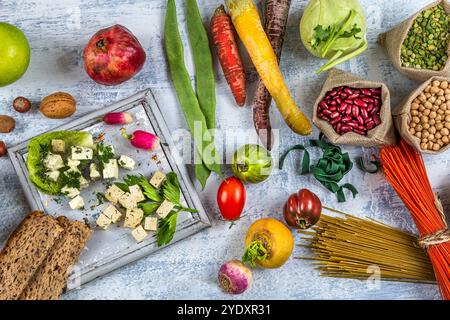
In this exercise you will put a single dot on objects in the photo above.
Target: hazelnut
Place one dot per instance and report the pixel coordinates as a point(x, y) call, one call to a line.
point(21, 104)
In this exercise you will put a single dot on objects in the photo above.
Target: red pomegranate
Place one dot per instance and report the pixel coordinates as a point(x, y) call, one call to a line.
point(113, 55)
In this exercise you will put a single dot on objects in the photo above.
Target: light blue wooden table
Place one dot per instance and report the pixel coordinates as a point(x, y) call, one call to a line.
point(58, 31)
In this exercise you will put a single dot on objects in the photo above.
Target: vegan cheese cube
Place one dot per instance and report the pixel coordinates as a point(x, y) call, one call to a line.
point(151, 223)
point(126, 162)
point(133, 218)
point(58, 146)
point(112, 213)
point(137, 194)
point(139, 234)
point(53, 175)
point(113, 194)
point(164, 209)
point(73, 163)
point(127, 201)
point(53, 162)
point(81, 153)
point(157, 179)
point(111, 170)
point(76, 203)
point(93, 172)
point(103, 221)
point(70, 192)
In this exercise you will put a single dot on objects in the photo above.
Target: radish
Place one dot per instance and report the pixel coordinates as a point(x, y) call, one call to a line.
point(142, 139)
point(118, 118)
point(234, 277)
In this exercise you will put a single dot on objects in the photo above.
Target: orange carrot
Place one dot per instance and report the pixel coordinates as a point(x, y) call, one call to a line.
point(405, 170)
point(227, 50)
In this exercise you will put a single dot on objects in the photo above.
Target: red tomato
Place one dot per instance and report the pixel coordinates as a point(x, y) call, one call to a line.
point(231, 198)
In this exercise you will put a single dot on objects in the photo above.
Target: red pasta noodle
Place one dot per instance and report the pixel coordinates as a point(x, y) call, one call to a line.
point(405, 171)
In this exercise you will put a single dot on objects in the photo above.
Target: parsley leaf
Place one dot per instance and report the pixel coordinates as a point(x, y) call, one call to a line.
point(104, 154)
point(352, 33)
point(166, 228)
point(171, 188)
point(320, 36)
point(71, 179)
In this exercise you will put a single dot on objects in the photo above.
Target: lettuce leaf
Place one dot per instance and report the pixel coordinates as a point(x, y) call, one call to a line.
point(40, 145)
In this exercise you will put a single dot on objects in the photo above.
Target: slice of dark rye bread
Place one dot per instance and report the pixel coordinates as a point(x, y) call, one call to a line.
point(50, 279)
point(24, 252)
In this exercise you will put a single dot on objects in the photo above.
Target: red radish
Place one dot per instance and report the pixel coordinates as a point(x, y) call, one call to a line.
point(118, 118)
point(2, 149)
point(227, 50)
point(142, 139)
point(234, 277)
point(276, 15)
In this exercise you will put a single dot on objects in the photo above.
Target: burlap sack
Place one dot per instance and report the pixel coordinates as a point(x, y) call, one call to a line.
point(381, 135)
point(402, 118)
point(392, 42)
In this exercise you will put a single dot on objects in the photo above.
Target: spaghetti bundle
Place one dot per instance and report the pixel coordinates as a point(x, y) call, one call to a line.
point(350, 247)
point(405, 170)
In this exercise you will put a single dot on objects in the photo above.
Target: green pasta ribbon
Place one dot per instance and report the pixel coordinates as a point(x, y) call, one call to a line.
point(329, 170)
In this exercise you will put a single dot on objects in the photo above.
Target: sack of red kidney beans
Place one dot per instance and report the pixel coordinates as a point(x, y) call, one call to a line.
point(353, 111)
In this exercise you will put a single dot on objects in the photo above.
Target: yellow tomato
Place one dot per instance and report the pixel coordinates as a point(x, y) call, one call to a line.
point(269, 243)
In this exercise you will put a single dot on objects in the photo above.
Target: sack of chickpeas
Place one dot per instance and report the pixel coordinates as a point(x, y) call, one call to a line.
point(419, 46)
point(353, 111)
point(423, 118)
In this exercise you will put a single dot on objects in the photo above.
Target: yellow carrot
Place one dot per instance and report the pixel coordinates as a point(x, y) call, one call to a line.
point(248, 25)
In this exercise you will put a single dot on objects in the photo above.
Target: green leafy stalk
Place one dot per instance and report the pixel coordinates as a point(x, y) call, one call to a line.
point(255, 251)
point(166, 228)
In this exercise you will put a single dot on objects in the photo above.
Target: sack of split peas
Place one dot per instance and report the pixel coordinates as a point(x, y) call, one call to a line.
point(419, 46)
point(353, 111)
point(423, 118)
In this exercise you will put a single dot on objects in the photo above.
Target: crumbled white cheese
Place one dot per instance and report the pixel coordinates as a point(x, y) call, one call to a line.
point(111, 170)
point(164, 209)
point(70, 192)
point(133, 218)
point(126, 162)
point(58, 146)
point(157, 179)
point(76, 203)
point(139, 234)
point(151, 223)
point(53, 162)
point(81, 153)
point(113, 194)
point(127, 201)
point(103, 221)
point(137, 194)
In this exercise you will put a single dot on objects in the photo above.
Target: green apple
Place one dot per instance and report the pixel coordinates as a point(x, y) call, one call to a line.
point(14, 54)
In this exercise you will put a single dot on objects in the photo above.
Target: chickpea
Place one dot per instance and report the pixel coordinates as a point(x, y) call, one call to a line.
point(444, 84)
point(421, 108)
point(424, 146)
point(444, 131)
point(447, 125)
point(439, 126)
point(412, 130)
point(430, 145)
point(438, 135)
point(432, 122)
point(418, 134)
point(445, 139)
point(425, 135)
point(440, 112)
point(427, 89)
point(426, 126)
point(431, 137)
point(434, 90)
point(447, 118)
point(428, 95)
point(447, 91)
point(422, 97)
point(426, 112)
point(440, 143)
point(416, 119)
point(432, 114)
point(432, 130)
point(414, 112)
point(414, 106)
point(436, 147)
point(432, 99)
point(428, 105)
point(436, 83)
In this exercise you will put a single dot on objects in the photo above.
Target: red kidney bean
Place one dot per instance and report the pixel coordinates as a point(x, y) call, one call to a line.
point(352, 124)
point(360, 103)
point(342, 107)
point(370, 125)
point(376, 92)
point(346, 129)
point(360, 119)
point(366, 92)
point(366, 99)
point(338, 100)
point(333, 108)
point(346, 119)
point(355, 111)
point(364, 114)
point(349, 101)
point(327, 112)
point(326, 118)
point(348, 91)
point(360, 132)
point(333, 102)
point(343, 95)
point(377, 120)
point(335, 115)
point(348, 110)
point(354, 96)
point(333, 93)
point(338, 127)
point(323, 105)
point(335, 120)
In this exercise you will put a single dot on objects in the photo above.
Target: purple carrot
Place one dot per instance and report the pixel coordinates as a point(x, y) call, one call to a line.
point(276, 16)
